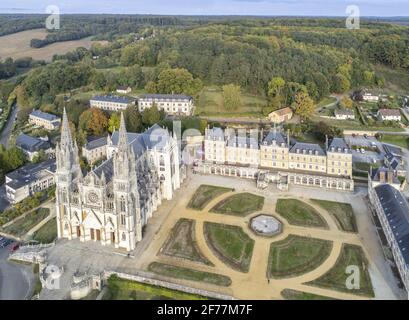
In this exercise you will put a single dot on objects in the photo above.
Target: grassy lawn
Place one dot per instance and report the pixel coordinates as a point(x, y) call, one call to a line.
point(341, 212)
point(296, 255)
point(47, 233)
point(181, 243)
point(240, 204)
point(336, 278)
point(22, 226)
point(189, 274)
point(366, 166)
point(210, 103)
point(121, 289)
point(400, 141)
point(231, 244)
point(289, 294)
point(204, 194)
point(299, 213)
point(326, 102)
point(355, 125)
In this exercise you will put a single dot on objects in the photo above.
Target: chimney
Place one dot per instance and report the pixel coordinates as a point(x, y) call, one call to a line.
point(382, 177)
point(390, 177)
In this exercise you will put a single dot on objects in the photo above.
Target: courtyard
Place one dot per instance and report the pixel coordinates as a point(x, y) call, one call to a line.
point(323, 232)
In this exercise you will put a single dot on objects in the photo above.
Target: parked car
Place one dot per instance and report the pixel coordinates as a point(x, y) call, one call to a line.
point(15, 246)
point(362, 150)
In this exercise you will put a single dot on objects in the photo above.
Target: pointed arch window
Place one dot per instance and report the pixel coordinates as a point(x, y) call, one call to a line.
point(122, 204)
point(161, 160)
point(123, 219)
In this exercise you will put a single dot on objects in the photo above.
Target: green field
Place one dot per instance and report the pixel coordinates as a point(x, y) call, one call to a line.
point(47, 233)
point(120, 289)
point(231, 244)
point(210, 103)
point(296, 255)
point(336, 278)
point(22, 226)
point(341, 212)
point(204, 194)
point(189, 274)
point(289, 294)
point(240, 204)
point(299, 213)
point(400, 141)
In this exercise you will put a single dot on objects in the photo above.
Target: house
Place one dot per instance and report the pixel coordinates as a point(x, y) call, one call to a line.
point(31, 146)
point(173, 104)
point(95, 149)
point(344, 114)
point(28, 180)
point(392, 211)
point(384, 175)
point(369, 97)
point(123, 90)
point(110, 103)
point(396, 164)
point(389, 115)
point(281, 115)
point(43, 119)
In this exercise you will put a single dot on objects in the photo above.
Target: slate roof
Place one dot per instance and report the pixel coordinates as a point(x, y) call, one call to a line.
point(44, 115)
point(376, 175)
point(96, 143)
point(30, 173)
point(396, 209)
point(276, 136)
point(215, 132)
point(115, 99)
point(31, 144)
point(315, 148)
point(339, 145)
point(165, 97)
point(107, 167)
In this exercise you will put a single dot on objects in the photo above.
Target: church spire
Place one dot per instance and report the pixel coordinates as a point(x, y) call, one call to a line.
point(66, 139)
point(123, 138)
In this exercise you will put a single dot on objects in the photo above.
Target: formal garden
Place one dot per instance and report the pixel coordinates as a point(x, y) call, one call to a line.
point(216, 245)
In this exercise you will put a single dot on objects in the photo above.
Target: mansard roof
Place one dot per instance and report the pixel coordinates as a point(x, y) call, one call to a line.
point(276, 136)
point(339, 145)
point(301, 146)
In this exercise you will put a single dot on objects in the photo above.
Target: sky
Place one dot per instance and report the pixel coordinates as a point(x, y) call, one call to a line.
point(385, 8)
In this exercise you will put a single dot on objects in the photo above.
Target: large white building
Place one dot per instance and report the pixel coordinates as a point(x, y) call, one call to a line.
point(392, 210)
point(43, 119)
point(173, 104)
point(28, 180)
point(248, 154)
point(110, 103)
point(113, 202)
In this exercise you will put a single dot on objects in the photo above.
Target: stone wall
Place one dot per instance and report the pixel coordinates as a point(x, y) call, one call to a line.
point(147, 278)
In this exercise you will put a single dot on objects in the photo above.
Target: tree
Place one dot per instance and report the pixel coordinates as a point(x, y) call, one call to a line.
point(114, 122)
point(151, 87)
point(178, 81)
point(276, 87)
point(133, 119)
point(93, 121)
point(303, 105)
point(151, 116)
point(346, 103)
point(40, 157)
point(231, 97)
point(341, 83)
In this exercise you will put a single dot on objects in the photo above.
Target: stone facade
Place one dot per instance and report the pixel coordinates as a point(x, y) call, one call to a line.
point(113, 202)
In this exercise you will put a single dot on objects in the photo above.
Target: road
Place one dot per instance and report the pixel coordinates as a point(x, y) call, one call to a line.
point(5, 134)
point(16, 281)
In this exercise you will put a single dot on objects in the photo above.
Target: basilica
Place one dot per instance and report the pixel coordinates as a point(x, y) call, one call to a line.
point(113, 202)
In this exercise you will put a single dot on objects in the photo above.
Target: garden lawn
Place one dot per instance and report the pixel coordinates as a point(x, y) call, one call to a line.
point(121, 289)
point(231, 244)
point(23, 225)
point(189, 274)
point(296, 255)
point(336, 277)
point(289, 294)
point(47, 233)
point(341, 212)
point(240, 204)
point(204, 194)
point(300, 213)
